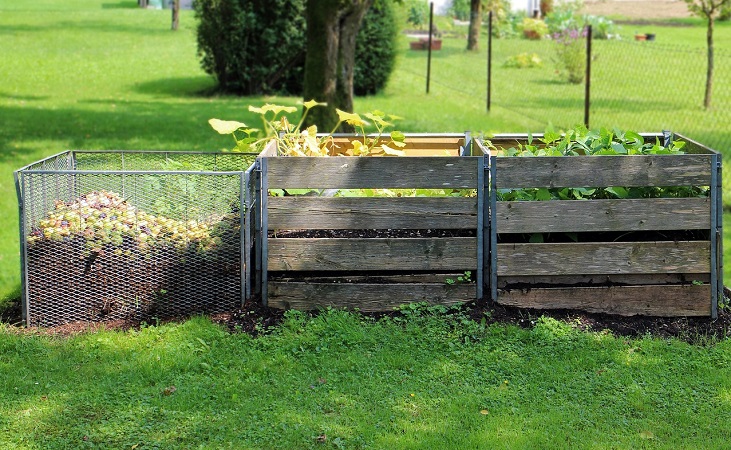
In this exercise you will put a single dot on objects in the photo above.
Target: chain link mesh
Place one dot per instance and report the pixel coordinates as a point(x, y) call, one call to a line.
point(130, 236)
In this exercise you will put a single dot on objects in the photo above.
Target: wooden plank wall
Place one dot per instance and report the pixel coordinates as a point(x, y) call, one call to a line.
point(638, 271)
point(345, 263)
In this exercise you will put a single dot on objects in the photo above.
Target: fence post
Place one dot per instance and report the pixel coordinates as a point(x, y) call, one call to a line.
point(489, 61)
point(587, 81)
point(428, 58)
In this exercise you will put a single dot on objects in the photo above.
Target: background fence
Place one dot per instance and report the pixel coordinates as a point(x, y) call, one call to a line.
point(638, 85)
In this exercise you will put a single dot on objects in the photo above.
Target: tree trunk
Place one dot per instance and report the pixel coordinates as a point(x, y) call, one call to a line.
point(473, 36)
point(332, 27)
point(176, 14)
point(709, 70)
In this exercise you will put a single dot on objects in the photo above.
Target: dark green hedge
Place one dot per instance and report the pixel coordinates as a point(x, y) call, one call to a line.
point(255, 47)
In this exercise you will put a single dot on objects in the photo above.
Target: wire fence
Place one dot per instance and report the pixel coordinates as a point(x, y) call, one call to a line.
point(638, 85)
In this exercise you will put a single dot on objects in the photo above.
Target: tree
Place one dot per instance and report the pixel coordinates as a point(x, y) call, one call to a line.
point(475, 24)
point(332, 26)
point(176, 15)
point(710, 10)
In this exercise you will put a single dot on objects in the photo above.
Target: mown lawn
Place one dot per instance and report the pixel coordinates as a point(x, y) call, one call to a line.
point(343, 381)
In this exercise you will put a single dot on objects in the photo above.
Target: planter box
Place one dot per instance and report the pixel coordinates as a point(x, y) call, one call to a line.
point(650, 256)
point(132, 235)
point(372, 253)
point(423, 44)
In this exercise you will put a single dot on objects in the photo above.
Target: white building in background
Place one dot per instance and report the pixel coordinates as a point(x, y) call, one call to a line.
point(528, 6)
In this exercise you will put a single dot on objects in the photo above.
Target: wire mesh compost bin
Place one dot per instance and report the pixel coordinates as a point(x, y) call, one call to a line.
point(116, 235)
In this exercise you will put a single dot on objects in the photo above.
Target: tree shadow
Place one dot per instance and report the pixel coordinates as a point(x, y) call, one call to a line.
point(199, 86)
point(124, 4)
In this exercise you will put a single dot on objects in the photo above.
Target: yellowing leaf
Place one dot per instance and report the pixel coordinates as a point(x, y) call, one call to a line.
point(226, 126)
point(484, 412)
point(357, 147)
point(378, 119)
point(312, 103)
point(274, 108)
point(351, 118)
point(391, 151)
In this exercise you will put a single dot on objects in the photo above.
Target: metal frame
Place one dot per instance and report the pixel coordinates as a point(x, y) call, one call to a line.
point(23, 179)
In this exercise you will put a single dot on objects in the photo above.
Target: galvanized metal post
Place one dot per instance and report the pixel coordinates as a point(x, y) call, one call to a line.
point(263, 233)
point(23, 248)
point(714, 235)
point(493, 228)
point(244, 235)
point(480, 227)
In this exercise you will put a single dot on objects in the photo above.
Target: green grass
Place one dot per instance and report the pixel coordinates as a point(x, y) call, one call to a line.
point(430, 381)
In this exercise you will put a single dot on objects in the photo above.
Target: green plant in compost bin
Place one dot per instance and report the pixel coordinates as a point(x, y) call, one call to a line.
point(581, 141)
point(466, 277)
point(292, 140)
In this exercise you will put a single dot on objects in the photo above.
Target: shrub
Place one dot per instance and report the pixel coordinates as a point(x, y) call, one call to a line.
point(252, 46)
point(523, 61)
point(375, 49)
point(570, 45)
point(534, 28)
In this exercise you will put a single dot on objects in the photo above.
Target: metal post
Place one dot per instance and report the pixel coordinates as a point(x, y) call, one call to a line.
point(480, 227)
point(244, 235)
point(493, 228)
point(23, 248)
point(489, 61)
point(587, 81)
point(264, 233)
point(714, 235)
point(428, 59)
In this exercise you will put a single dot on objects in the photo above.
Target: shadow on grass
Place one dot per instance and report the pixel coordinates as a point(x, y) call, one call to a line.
point(198, 86)
point(128, 4)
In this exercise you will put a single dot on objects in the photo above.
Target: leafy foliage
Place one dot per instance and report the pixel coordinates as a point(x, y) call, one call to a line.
point(375, 49)
point(257, 47)
point(524, 61)
point(581, 141)
point(252, 46)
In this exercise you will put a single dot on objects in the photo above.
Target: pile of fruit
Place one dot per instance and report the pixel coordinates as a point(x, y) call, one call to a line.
point(102, 218)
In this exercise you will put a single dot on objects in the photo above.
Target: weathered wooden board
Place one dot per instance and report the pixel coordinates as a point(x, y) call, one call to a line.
point(602, 171)
point(367, 278)
point(352, 172)
point(365, 297)
point(667, 301)
point(602, 258)
point(508, 282)
point(604, 215)
point(369, 254)
point(352, 213)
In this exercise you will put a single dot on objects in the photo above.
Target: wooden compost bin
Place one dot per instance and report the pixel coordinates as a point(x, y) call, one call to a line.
point(385, 251)
point(661, 274)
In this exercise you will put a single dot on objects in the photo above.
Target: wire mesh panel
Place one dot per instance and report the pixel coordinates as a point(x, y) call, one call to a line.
point(109, 241)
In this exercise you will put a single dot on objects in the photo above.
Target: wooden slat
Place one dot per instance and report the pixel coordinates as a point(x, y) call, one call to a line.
point(663, 300)
point(603, 258)
point(415, 146)
point(602, 171)
point(352, 213)
point(520, 282)
point(604, 215)
point(372, 278)
point(318, 254)
point(347, 172)
point(365, 297)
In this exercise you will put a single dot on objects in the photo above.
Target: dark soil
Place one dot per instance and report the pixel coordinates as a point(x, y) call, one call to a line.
point(256, 319)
